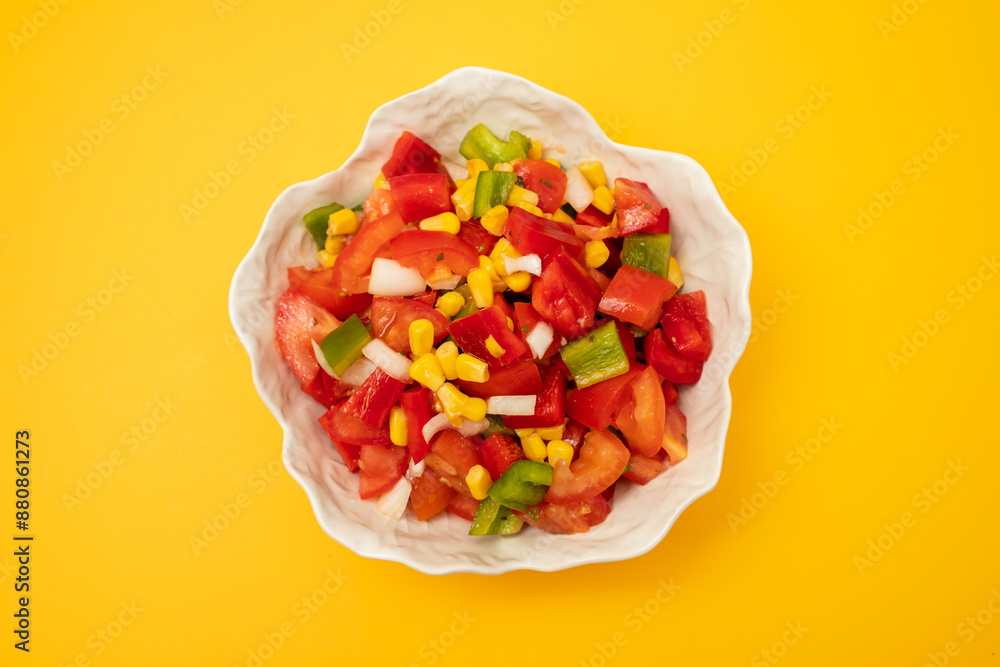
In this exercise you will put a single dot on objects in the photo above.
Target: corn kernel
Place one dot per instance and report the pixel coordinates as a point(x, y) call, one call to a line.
point(552, 432)
point(503, 166)
point(439, 273)
point(533, 447)
point(502, 250)
point(421, 336)
point(520, 195)
point(380, 182)
point(493, 347)
point(427, 371)
point(447, 355)
point(471, 369)
point(481, 285)
point(494, 219)
point(397, 426)
point(674, 274)
point(475, 409)
point(487, 265)
point(614, 221)
point(475, 166)
point(450, 303)
point(442, 222)
point(554, 161)
point(559, 449)
point(334, 244)
point(596, 253)
point(479, 481)
point(463, 199)
point(518, 281)
point(510, 324)
point(535, 150)
point(523, 433)
point(531, 208)
point(604, 199)
point(562, 216)
point(594, 173)
point(452, 399)
point(344, 221)
point(325, 258)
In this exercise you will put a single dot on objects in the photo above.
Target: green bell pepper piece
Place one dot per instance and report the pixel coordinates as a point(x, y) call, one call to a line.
point(342, 346)
point(489, 518)
point(597, 356)
point(316, 221)
point(511, 525)
point(497, 426)
point(523, 485)
point(648, 251)
point(492, 189)
point(480, 143)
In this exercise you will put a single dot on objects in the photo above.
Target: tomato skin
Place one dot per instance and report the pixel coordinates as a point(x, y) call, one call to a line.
point(675, 440)
point(544, 179)
point(642, 469)
point(351, 454)
point(378, 204)
point(429, 495)
point(419, 196)
point(473, 233)
point(517, 379)
point(565, 296)
point(498, 453)
point(526, 317)
point(638, 208)
point(355, 261)
point(326, 389)
point(391, 317)
point(317, 284)
point(463, 506)
point(636, 296)
point(298, 323)
point(451, 457)
point(642, 419)
point(412, 155)
point(421, 248)
point(670, 395)
point(372, 401)
point(470, 333)
point(668, 362)
point(685, 323)
point(533, 234)
point(381, 467)
point(596, 405)
point(593, 217)
point(550, 404)
point(577, 517)
point(342, 427)
point(627, 337)
point(573, 435)
point(416, 404)
point(602, 460)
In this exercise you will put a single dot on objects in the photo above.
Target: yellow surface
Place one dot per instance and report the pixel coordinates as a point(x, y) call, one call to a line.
point(146, 393)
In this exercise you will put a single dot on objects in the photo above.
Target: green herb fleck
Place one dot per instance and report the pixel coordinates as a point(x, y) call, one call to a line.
point(627, 466)
point(547, 184)
point(647, 206)
point(685, 436)
point(440, 256)
point(525, 329)
point(533, 513)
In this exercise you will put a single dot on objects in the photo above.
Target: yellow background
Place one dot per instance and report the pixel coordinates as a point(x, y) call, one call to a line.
point(165, 335)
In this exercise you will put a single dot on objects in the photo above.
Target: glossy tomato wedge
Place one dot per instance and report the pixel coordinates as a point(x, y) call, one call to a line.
point(391, 317)
point(597, 405)
point(423, 249)
point(412, 155)
point(675, 440)
point(317, 284)
point(643, 469)
point(299, 322)
point(544, 179)
point(638, 209)
point(381, 467)
point(532, 234)
point(419, 196)
point(355, 261)
point(429, 495)
point(636, 296)
point(602, 460)
point(685, 323)
point(498, 453)
point(668, 362)
point(641, 420)
point(565, 296)
point(577, 517)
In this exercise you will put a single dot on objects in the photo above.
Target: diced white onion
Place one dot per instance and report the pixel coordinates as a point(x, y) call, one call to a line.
point(321, 359)
point(539, 339)
point(530, 263)
point(391, 362)
point(579, 194)
point(447, 284)
point(511, 405)
point(390, 278)
point(456, 171)
point(475, 428)
point(438, 422)
point(358, 372)
point(417, 469)
point(392, 503)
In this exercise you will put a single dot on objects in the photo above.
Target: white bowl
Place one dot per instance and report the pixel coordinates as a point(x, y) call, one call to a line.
point(711, 246)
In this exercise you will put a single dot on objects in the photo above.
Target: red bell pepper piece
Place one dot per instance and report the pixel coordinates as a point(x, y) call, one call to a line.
point(668, 362)
point(498, 453)
point(544, 179)
point(685, 323)
point(411, 155)
point(421, 249)
point(636, 295)
point(638, 209)
point(533, 234)
point(525, 319)
point(517, 379)
point(597, 405)
point(573, 435)
point(550, 405)
point(355, 261)
point(419, 196)
point(416, 404)
point(566, 296)
point(372, 401)
point(628, 340)
point(391, 317)
point(470, 333)
point(381, 467)
point(351, 454)
point(326, 389)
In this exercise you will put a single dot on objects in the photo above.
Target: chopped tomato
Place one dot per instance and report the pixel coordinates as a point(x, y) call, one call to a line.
point(452, 456)
point(378, 204)
point(668, 362)
point(422, 249)
point(381, 467)
point(428, 298)
point(476, 236)
point(517, 379)
point(498, 453)
point(675, 440)
point(299, 322)
point(544, 179)
point(533, 234)
point(550, 404)
point(638, 209)
point(429, 495)
point(602, 460)
point(470, 333)
point(416, 404)
point(596, 405)
point(593, 217)
point(391, 317)
point(669, 392)
point(525, 319)
point(351, 454)
point(641, 420)
point(627, 337)
point(566, 296)
point(463, 506)
point(317, 284)
point(685, 323)
point(573, 435)
point(642, 469)
point(372, 401)
point(344, 428)
point(419, 196)
point(355, 261)
point(411, 155)
point(576, 517)
point(637, 296)
point(326, 389)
